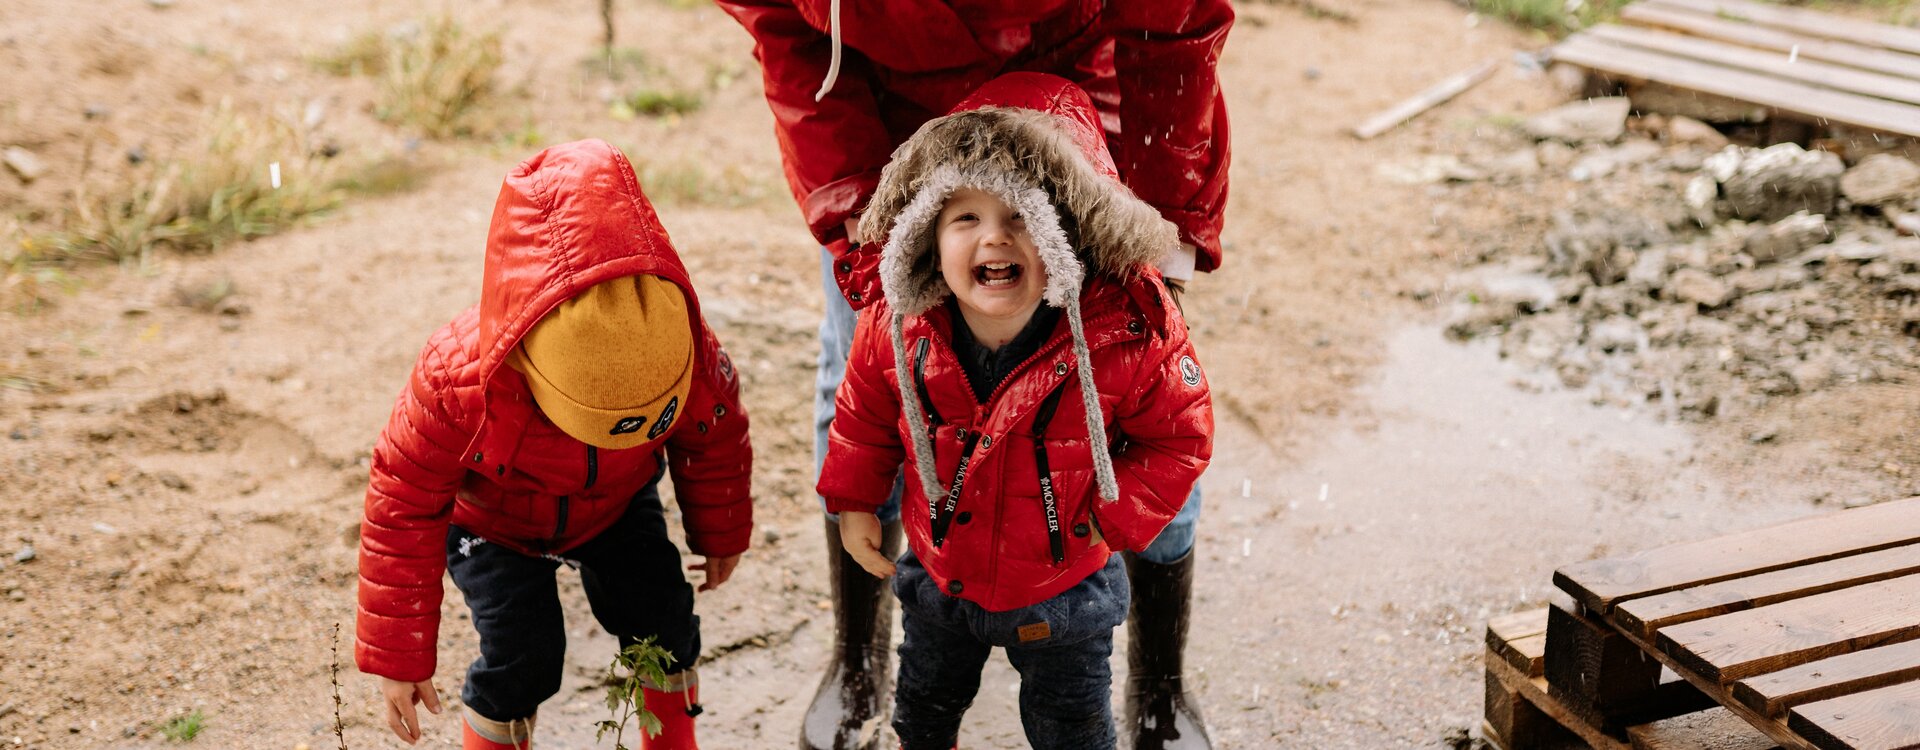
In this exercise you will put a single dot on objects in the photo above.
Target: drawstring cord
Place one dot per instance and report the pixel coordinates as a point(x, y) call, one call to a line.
point(833, 68)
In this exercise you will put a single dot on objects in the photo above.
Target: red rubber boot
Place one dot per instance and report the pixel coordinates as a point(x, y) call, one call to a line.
point(481, 733)
point(676, 708)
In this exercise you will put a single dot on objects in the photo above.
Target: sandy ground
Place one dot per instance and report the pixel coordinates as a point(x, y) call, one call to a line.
point(190, 482)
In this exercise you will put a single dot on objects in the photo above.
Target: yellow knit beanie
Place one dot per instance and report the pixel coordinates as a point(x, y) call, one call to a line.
point(611, 366)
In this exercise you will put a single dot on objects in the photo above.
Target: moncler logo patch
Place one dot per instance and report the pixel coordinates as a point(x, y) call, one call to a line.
point(630, 424)
point(1036, 632)
point(1189, 371)
point(666, 418)
point(726, 367)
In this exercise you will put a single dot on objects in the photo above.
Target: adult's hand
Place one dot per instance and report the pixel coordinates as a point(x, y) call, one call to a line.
point(718, 570)
point(400, 697)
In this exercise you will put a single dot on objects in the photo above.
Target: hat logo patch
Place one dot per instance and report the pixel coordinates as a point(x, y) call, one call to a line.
point(666, 418)
point(1189, 371)
point(629, 424)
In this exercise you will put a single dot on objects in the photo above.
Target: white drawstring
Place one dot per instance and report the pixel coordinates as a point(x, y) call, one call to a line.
point(833, 68)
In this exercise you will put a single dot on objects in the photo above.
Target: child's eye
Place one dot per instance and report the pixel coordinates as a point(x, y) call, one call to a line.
point(966, 217)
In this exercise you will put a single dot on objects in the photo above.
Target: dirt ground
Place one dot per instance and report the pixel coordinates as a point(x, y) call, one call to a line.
point(189, 481)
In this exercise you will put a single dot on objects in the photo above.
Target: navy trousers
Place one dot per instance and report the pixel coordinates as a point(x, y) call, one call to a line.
point(634, 582)
point(1059, 646)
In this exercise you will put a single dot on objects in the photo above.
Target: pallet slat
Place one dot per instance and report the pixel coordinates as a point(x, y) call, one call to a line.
point(1839, 53)
point(1644, 616)
point(1828, 75)
point(1744, 644)
point(1775, 692)
point(1809, 22)
point(1600, 584)
point(1712, 729)
point(1884, 719)
point(1520, 639)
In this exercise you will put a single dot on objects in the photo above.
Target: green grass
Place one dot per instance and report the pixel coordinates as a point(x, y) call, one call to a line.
point(656, 103)
point(184, 728)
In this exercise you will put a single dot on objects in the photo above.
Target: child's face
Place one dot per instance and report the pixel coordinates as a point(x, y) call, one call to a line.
point(988, 258)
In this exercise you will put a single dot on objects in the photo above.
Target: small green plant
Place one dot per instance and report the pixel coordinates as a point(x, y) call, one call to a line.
point(655, 103)
point(184, 728)
point(364, 54)
point(642, 663)
point(436, 80)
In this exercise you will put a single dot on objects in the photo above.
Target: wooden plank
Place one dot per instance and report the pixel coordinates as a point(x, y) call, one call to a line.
point(1712, 729)
point(1520, 639)
point(1644, 616)
point(1884, 719)
point(1768, 639)
point(1434, 96)
point(1599, 584)
point(1840, 53)
point(1828, 75)
point(1517, 722)
point(1806, 22)
point(1775, 728)
point(1773, 693)
point(1810, 102)
point(1534, 691)
point(1593, 669)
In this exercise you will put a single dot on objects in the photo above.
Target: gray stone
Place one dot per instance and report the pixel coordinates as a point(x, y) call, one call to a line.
point(1598, 163)
point(1590, 121)
point(1880, 180)
point(1617, 333)
point(1554, 155)
point(1700, 196)
point(1782, 180)
point(1698, 287)
point(23, 163)
point(1650, 269)
point(1787, 237)
point(1517, 165)
point(1688, 131)
point(26, 554)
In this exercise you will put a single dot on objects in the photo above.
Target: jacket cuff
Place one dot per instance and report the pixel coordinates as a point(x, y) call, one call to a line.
point(842, 505)
point(722, 544)
point(1202, 231)
point(405, 666)
point(829, 206)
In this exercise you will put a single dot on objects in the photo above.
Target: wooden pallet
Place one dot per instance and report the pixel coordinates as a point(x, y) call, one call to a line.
point(1724, 60)
point(1807, 631)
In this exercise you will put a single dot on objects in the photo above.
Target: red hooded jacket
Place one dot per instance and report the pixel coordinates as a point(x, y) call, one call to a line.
point(466, 444)
point(998, 550)
point(1148, 64)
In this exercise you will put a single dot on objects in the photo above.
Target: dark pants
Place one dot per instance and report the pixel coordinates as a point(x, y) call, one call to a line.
point(633, 579)
point(1065, 680)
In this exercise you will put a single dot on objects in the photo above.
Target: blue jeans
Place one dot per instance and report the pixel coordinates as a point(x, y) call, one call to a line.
point(836, 339)
point(1060, 648)
point(634, 583)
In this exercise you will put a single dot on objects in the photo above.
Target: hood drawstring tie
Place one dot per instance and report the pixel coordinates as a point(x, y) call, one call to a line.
point(833, 68)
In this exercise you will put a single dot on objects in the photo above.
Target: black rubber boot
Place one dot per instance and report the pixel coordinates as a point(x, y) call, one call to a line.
point(1159, 713)
point(846, 713)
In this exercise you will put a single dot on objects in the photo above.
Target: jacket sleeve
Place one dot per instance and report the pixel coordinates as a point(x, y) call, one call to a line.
point(1167, 426)
point(864, 450)
point(833, 149)
point(416, 470)
point(1173, 149)
point(711, 458)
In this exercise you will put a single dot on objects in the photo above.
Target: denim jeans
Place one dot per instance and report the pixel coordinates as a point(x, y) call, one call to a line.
point(836, 339)
point(633, 579)
point(1060, 648)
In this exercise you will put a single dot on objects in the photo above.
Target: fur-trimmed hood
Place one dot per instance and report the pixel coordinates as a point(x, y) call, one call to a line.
point(1034, 141)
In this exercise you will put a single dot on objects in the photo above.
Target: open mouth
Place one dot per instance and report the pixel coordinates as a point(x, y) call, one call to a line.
point(997, 274)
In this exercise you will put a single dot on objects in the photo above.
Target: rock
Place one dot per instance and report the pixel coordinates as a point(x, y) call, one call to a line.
point(1602, 162)
point(1701, 193)
point(1517, 165)
point(1650, 269)
point(1688, 131)
point(1615, 334)
point(1723, 165)
point(1782, 180)
point(1590, 121)
point(1787, 237)
point(1473, 319)
point(1601, 245)
point(1766, 279)
point(1428, 170)
point(26, 554)
point(23, 163)
point(1698, 287)
point(1527, 292)
point(1554, 155)
point(1880, 180)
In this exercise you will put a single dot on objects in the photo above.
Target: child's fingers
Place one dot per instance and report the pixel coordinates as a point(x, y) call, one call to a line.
point(404, 722)
point(429, 696)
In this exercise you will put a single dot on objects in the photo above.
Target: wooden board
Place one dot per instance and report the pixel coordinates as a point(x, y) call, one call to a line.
point(1815, 72)
point(1520, 639)
point(1534, 691)
point(1600, 584)
point(1712, 729)
point(1784, 43)
point(1806, 22)
point(1644, 616)
point(1773, 693)
point(1768, 639)
point(1884, 719)
point(1800, 100)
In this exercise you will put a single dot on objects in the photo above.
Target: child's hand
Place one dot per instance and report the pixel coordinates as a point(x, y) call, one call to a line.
point(860, 534)
point(400, 697)
point(718, 570)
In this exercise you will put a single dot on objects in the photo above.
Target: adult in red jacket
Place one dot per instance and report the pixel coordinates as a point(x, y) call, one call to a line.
point(470, 468)
point(847, 83)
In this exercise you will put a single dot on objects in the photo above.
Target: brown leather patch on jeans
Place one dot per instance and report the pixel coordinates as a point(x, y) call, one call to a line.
point(1034, 632)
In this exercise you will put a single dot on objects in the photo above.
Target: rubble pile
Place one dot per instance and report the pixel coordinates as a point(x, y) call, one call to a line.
point(1774, 272)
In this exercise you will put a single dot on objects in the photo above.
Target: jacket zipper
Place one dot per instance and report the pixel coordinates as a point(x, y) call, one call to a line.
point(1056, 542)
point(593, 466)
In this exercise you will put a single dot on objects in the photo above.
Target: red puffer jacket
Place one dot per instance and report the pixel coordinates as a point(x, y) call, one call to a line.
point(467, 445)
point(1149, 65)
point(997, 552)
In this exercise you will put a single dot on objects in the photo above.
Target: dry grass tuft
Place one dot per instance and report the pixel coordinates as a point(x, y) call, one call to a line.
point(437, 80)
